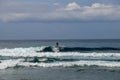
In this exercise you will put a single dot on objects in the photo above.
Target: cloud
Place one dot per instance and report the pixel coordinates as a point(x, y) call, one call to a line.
point(44, 12)
point(99, 11)
point(98, 5)
point(72, 6)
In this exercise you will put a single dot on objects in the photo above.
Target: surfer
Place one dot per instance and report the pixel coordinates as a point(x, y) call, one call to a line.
point(56, 48)
point(57, 45)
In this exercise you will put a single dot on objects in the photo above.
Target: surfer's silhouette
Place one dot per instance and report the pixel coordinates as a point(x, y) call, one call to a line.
point(56, 48)
point(57, 45)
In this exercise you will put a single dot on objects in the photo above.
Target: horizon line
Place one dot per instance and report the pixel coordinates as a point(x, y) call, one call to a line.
point(51, 39)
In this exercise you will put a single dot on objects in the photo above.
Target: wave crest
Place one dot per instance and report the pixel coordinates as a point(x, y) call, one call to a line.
point(78, 49)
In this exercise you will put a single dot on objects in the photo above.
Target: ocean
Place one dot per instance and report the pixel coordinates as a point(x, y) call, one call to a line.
point(75, 60)
point(73, 53)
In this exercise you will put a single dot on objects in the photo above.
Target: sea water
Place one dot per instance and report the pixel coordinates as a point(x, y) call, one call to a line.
point(80, 53)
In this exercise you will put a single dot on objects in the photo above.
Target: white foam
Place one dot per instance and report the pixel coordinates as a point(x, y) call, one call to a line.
point(31, 52)
point(9, 63)
point(77, 63)
point(20, 62)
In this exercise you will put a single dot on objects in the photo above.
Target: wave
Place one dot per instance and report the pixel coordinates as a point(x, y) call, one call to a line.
point(31, 52)
point(21, 63)
point(56, 59)
point(78, 49)
point(28, 57)
point(74, 63)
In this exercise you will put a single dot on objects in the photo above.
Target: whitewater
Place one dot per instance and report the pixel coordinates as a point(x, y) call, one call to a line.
point(29, 57)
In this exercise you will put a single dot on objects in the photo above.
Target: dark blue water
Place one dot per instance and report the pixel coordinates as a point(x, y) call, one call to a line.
point(64, 43)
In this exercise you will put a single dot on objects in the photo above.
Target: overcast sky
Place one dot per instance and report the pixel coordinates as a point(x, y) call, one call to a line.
point(59, 19)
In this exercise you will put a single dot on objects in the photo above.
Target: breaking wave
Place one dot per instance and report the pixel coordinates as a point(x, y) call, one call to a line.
point(79, 49)
point(67, 57)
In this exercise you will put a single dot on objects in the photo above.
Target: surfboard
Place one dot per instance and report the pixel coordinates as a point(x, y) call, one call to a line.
point(56, 49)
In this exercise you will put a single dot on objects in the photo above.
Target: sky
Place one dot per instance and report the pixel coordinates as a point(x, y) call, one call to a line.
point(59, 19)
